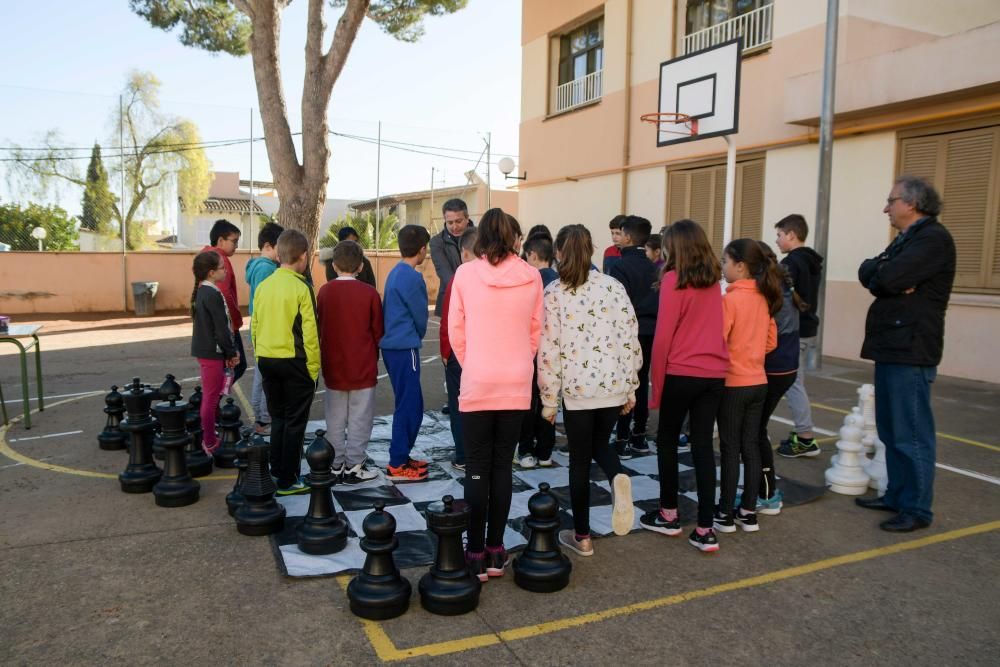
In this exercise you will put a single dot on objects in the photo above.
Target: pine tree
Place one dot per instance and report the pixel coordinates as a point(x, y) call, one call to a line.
point(98, 202)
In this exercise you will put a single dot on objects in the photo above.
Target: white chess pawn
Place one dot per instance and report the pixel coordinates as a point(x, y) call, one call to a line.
point(856, 420)
point(866, 396)
point(846, 475)
point(876, 469)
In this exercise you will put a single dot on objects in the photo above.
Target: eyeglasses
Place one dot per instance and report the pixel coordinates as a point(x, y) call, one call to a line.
point(888, 202)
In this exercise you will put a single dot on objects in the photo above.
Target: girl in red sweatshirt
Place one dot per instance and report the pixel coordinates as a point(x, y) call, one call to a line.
point(494, 323)
point(686, 375)
point(752, 299)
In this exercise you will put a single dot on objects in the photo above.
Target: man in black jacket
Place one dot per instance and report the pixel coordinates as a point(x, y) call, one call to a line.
point(446, 250)
point(367, 274)
point(904, 335)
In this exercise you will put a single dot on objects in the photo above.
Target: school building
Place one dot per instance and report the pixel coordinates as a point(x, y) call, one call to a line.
point(918, 91)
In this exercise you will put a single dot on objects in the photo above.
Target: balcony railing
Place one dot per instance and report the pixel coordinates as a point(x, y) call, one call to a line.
point(578, 91)
point(755, 27)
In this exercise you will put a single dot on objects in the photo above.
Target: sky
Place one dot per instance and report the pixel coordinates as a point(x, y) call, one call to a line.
point(65, 62)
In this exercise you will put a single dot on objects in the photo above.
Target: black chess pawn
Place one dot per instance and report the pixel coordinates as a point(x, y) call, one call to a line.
point(321, 531)
point(199, 463)
point(176, 487)
point(229, 434)
point(449, 588)
point(235, 497)
point(259, 514)
point(142, 473)
point(542, 567)
point(161, 393)
point(379, 592)
point(112, 437)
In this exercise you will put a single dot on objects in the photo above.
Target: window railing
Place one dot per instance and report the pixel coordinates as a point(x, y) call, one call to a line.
point(578, 91)
point(755, 27)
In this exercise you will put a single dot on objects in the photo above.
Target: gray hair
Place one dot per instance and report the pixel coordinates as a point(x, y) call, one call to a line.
point(920, 194)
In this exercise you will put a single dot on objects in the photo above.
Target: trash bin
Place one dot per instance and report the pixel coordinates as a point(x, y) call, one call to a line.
point(144, 294)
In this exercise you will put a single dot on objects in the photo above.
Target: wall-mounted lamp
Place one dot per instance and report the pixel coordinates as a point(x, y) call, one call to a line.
point(506, 166)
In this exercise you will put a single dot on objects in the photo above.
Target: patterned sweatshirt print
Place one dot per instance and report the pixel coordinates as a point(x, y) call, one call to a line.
point(589, 353)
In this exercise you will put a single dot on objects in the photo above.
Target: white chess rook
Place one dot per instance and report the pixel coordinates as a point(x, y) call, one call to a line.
point(845, 474)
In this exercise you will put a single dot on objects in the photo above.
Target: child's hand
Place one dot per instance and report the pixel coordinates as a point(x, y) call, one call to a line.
point(549, 414)
point(627, 408)
point(233, 362)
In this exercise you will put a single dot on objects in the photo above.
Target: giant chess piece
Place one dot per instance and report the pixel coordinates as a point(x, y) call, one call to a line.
point(112, 438)
point(142, 473)
point(855, 418)
point(198, 462)
point(542, 567)
point(449, 588)
point(229, 434)
point(845, 474)
point(866, 406)
point(162, 393)
point(176, 487)
point(379, 593)
point(321, 531)
point(235, 497)
point(259, 514)
point(876, 469)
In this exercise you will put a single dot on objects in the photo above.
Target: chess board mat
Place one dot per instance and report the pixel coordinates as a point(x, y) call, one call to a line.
point(407, 502)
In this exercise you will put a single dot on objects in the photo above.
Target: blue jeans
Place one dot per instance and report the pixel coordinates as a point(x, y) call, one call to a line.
point(453, 381)
point(906, 426)
point(403, 367)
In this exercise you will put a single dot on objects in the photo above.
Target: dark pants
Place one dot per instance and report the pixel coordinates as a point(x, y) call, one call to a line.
point(740, 412)
point(538, 435)
point(490, 438)
point(289, 390)
point(403, 367)
point(640, 413)
point(241, 367)
point(588, 432)
point(453, 382)
point(906, 426)
point(699, 397)
point(777, 386)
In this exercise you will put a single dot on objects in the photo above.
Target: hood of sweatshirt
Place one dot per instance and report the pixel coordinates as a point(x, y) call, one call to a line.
point(511, 272)
point(747, 284)
point(259, 263)
point(810, 258)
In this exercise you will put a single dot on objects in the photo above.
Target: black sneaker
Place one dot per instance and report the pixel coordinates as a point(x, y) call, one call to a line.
point(707, 543)
point(638, 443)
point(723, 522)
point(796, 446)
point(496, 562)
point(654, 521)
point(748, 522)
point(623, 449)
point(477, 564)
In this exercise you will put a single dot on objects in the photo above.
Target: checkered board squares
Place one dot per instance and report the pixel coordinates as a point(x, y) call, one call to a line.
point(407, 502)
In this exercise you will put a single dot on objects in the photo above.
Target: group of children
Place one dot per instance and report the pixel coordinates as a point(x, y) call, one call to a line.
point(529, 326)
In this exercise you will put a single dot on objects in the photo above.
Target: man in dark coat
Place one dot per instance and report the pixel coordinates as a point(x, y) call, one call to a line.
point(367, 274)
point(446, 250)
point(904, 335)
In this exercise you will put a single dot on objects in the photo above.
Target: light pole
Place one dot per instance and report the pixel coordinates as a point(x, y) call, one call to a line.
point(40, 234)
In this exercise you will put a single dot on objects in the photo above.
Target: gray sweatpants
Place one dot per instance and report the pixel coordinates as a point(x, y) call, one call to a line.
point(798, 400)
point(258, 402)
point(349, 416)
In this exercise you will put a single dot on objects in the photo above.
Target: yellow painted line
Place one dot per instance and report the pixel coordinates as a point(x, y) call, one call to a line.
point(947, 436)
point(242, 398)
point(389, 652)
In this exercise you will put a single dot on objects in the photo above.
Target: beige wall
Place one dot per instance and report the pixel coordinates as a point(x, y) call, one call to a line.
point(592, 204)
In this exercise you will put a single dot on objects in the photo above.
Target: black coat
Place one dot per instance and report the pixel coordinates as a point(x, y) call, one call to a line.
point(907, 328)
point(804, 266)
point(638, 274)
point(211, 332)
point(446, 255)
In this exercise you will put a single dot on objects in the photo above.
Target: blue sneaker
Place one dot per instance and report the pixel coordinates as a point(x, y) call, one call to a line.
point(770, 506)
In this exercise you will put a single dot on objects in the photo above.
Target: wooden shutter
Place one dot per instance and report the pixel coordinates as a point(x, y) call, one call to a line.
point(920, 157)
point(717, 223)
point(750, 199)
point(678, 188)
point(965, 191)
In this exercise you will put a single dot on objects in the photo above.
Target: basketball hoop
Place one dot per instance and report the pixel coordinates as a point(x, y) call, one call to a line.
point(667, 122)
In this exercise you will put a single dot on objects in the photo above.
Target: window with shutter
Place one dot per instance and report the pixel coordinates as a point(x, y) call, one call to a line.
point(963, 167)
point(700, 194)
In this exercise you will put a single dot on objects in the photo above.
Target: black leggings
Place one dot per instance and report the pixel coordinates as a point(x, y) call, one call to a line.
point(588, 433)
point(777, 385)
point(640, 413)
point(740, 415)
point(490, 438)
point(699, 396)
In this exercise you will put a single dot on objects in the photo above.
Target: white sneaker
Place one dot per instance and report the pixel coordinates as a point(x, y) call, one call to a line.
point(545, 463)
point(623, 511)
point(528, 461)
point(357, 474)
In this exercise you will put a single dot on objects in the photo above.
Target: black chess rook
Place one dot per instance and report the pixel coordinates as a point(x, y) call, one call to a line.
point(259, 514)
point(321, 531)
point(449, 588)
point(542, 567)
point(176, 487)
point(141, 474)
point(229, 434)
point(112, 438)
point(379, 592)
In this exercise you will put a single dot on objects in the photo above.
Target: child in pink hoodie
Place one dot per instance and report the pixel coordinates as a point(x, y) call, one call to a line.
point(494, 323)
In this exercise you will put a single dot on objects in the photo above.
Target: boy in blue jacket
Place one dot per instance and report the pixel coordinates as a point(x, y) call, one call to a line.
point(405, 312)
point(258, 269)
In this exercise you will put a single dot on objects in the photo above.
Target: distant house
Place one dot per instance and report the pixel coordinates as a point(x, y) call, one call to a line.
point(266, 197)
point(423, 207)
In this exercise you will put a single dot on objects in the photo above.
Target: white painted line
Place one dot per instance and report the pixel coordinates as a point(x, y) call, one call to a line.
point(429, 359)
point(39, 437)
point(782, 420)
point(968, 473)
point(383, 376)
point(13, 401)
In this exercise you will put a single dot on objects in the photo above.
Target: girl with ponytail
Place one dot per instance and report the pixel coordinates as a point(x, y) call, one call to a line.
point(753, 297)
point(211, 339)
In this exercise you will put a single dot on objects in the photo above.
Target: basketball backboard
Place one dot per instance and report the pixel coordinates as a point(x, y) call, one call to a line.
point(704, 85)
